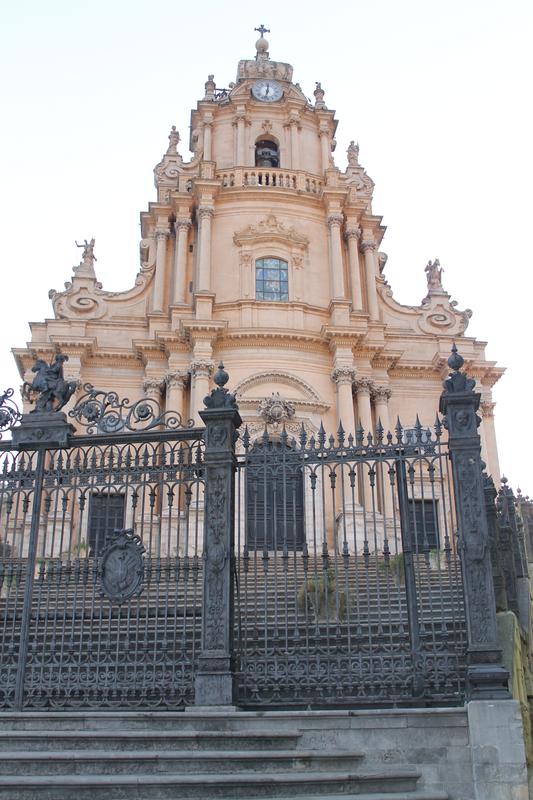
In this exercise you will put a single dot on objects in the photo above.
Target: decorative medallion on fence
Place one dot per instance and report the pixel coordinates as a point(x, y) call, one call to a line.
point(122, 566)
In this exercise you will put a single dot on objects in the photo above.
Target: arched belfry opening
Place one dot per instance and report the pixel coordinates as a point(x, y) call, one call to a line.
point(266, 153)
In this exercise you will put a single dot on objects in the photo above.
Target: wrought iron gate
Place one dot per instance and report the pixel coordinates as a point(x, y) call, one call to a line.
point(97, 614)
point(368, 609)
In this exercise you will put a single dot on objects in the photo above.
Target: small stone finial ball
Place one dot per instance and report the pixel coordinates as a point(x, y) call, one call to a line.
point(261, 45)
point(455, 361)
point(221, 376)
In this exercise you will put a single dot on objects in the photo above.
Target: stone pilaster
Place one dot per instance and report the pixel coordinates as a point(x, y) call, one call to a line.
point(352, 234)
point(363, 388)
point(381, 396)
point(175, 388)
point(488, 438)
point(344, 377)
point(369, 248)
point(160, 264)
point(181, 227)
point(335, 221)
point(205, 217)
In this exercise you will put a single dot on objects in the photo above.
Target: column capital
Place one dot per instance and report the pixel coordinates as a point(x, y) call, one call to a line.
point(182, 223)
point(343, 374)
point(364, 386)
point(352, 232)
point(381, 393)
point(161, 233)
point(368, 244)
point(205, 212)
point(153, 386)
point(487, 408)
point(177, 380)
point(335, 220)
point(202, 368)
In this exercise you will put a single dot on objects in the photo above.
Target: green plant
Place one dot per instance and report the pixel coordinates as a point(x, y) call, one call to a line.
point(394, 566)
point(322, 597)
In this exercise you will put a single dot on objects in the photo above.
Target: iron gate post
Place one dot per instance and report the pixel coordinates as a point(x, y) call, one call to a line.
point(214, 678)
point(38, 431)
point(486, 678)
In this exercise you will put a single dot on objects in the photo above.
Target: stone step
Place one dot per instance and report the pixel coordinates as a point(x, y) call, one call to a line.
point(204, 785)
point(106, 762)
point(112, 740)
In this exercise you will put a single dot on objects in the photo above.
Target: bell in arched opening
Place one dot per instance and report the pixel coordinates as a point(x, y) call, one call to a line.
point(266, 153)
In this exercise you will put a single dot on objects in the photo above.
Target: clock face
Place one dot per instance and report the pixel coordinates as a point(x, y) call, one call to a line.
point(267, 91)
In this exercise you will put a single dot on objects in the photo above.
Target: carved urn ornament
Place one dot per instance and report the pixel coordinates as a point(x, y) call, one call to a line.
point(275, 410)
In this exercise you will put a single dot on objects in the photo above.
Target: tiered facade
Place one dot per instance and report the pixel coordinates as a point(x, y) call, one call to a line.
point(262, 253)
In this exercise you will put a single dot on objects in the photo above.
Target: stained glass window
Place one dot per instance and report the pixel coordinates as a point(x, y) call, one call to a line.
point(271, 279)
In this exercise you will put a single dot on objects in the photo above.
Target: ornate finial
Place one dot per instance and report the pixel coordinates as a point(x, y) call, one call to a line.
point(455, 361)
point(261, 45)
point(173, 141)
point(210, 87)
point(221, 397)
point(221, 376)
point(319, 95)
point(261, 30)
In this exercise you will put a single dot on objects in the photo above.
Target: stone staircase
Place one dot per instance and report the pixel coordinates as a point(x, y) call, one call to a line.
point(229, 755)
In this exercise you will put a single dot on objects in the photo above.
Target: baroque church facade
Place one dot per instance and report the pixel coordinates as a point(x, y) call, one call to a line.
point(262, 253)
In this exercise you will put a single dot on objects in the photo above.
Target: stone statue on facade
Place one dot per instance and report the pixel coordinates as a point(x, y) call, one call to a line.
point(87, 257)
point(173, 141)
point(353, 154)
point(52, 390)
point(433, 272)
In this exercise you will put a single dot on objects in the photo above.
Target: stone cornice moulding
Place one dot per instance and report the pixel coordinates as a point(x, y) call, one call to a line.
point(268, 230)
point(280, 376)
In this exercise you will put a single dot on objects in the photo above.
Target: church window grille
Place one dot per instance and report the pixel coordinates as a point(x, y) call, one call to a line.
point(425, 524)
point(271, 279)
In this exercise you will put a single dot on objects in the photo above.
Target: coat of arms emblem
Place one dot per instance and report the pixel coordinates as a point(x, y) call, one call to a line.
point(122, 566)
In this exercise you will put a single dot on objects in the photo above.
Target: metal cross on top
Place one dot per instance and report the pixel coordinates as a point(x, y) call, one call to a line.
point(262, 30)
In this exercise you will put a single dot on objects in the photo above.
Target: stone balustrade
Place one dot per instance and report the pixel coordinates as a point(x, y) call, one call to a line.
point(272, 178)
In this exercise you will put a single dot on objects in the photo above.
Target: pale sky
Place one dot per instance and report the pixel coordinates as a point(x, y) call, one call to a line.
point(437, 94)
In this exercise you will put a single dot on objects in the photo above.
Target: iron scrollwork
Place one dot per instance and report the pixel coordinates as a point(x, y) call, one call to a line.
point(104, 412)
point(122, 566)
point(9, 412)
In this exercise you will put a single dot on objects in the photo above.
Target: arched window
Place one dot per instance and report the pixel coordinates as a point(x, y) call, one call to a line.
point(266, 153)
point(274, 498)
point(272, 279)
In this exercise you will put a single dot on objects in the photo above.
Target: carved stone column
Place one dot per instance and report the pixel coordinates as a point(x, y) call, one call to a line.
point(181, 226)
point(352, 234)
point(153, 388)
point(381, 396)
point(201, 371)
point(363, 387)
point(335, 249)
point(487, 679)
point(176, 383)
point(344, 377)
point(214, 679)
point(368, 247)
point(488, 433)
point(205, 216)
point(160, 264)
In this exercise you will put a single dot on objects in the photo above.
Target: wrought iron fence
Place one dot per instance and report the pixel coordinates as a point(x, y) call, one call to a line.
point(151, 564)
